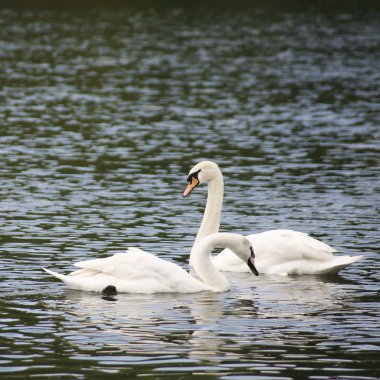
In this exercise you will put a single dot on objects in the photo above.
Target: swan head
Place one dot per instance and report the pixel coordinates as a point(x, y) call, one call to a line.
point(204, 171)
point(243, 248)
point(238, 244)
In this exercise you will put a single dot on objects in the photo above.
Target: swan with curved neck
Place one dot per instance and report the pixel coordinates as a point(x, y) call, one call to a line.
point(136, 271)
point(282, 252)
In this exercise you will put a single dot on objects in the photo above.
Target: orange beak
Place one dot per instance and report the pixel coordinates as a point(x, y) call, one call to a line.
point(190, 187)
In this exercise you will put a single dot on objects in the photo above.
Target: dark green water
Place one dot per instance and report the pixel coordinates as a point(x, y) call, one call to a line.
point(103, 113)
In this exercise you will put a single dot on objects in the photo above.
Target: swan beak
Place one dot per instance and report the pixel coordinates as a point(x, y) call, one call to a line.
point(190, 186)
point(251, 263)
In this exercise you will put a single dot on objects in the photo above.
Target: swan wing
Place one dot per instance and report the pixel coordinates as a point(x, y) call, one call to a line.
point(286, 245)
point(128, 264)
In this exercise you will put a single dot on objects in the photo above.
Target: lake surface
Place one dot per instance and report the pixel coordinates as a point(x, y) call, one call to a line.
point(104, 112)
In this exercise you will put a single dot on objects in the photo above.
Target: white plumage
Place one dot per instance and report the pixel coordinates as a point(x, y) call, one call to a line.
point(284, 252)
point(137, 271)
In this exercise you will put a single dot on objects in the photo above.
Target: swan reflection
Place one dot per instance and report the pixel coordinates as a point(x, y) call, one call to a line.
point(203, 326)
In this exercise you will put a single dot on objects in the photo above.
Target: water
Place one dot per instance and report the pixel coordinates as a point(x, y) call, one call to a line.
point(105, 111)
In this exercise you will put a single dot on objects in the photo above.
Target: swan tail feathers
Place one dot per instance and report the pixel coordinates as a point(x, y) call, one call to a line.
point(332, 266)
point(314, 267)
point(81, 279)
point(339, 263)
point(55, 274)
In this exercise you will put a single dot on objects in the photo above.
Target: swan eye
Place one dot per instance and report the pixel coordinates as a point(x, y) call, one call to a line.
point(193, 175)
point(252, 252)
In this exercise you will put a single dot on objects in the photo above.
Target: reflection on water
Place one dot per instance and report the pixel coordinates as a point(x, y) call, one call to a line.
point(277, 318)
point(103, 114)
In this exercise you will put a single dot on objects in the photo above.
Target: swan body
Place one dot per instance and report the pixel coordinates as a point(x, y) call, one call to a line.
point(283, 252)
point(137, 271)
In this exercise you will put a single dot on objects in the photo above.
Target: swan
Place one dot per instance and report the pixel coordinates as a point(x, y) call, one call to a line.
point(137, 271)
point(283, 252)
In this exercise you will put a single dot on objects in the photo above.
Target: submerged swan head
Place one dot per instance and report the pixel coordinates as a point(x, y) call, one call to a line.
point(202, 172)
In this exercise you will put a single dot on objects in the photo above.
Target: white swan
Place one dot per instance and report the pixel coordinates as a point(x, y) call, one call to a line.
point(284, 252)
point(136, 271)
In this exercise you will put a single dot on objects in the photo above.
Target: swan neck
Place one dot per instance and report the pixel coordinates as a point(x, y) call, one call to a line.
point(204, 267)
point(211, 217)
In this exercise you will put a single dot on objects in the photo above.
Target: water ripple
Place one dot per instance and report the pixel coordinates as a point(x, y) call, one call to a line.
point(104, 113)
